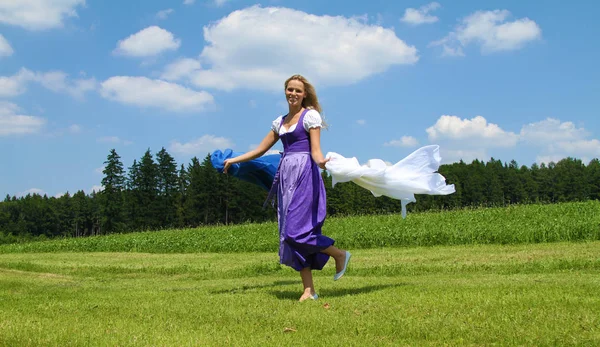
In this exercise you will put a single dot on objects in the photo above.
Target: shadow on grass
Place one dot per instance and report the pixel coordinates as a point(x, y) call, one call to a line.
point(245, 288)
point(294, 295)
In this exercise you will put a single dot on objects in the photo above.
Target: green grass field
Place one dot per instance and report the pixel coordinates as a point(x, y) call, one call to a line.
point(578, 221)
point(156, 289)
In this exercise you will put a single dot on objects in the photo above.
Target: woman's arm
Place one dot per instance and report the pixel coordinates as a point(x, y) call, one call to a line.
point(262, 148)
point(315, 147)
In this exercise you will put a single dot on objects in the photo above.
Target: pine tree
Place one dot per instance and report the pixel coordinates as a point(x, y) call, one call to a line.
point(111, 198)
point(168, 188)
point(148, 192)
point(132, 197)
point(593, 179)
point(194, 202)
point(183, 183)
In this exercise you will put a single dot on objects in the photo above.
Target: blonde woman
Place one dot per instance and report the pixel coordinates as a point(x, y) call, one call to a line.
point(299, 186)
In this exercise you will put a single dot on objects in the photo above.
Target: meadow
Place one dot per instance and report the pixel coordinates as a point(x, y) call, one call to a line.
point(521, 275)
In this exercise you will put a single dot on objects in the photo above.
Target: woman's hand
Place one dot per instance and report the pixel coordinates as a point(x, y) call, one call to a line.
point(226, 164)
point(323, 162)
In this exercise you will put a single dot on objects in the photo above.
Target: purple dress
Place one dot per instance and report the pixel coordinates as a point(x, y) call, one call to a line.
point(301, 203)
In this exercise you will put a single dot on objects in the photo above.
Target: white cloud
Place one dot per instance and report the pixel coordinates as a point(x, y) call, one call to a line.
point(38, 14)
point(189, 2)
point(476, 131)
point(455, 155)
point(164, 13)
point(13, 123)
point(559, 140)
point(200, 146)
point(221, 2)
point(5, 48)
point(272, 151)
point(421, 15)
point(15, 84)
point(405, 141)
point(269, 152)
point(75, 129)
point(56, 81)
point(145, 92)
point(31, 191)
point(470, 139)
point(96, 189)
point(361, 122)
point(113, 139)
point(150, 41)
point(492, 31)
point(180, 69)
point(547, 159)
point(109, 139)
point(584, 147)
point(551, 131)
point(253, 48)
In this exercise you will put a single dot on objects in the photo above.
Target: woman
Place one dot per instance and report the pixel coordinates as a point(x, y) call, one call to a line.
point(299, 186)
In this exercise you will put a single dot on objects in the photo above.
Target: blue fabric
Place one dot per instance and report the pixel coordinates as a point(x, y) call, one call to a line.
point(260, 171)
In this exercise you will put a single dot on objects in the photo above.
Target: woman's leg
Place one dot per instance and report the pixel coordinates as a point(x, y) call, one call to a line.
point(307, 282)
point(338, 255)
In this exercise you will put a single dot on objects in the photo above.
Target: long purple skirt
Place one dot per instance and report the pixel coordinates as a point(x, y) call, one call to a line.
point(301, 213)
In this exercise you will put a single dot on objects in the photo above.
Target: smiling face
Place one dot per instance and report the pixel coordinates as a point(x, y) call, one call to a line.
point(294, 93)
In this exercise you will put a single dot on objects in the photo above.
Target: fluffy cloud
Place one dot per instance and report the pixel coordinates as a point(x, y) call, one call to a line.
point(114, 140)
point(13, 123)
point(15, 84)
point(421, 15)
point(31, 191)
point(5, 48)
point(476, 131)
point(145, 92)
point(180, 69)
point(95, 188)
point(221, 2)
point(551, 131)
point(469, 139)
point(547, 159)
point(75, 129)
point(200, 146)
point(328, 50)
point(450, 155)
point(56, 81)
point(38, 14)
point(150, 41)
point(405, 141)
point(361, 122)
point(492, 31)
point(558, 140)
point(164, 13)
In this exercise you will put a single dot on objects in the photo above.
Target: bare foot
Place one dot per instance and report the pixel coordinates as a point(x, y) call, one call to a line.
point(308, 295)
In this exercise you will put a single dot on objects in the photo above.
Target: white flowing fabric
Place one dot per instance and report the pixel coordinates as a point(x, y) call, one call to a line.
point(415, 174)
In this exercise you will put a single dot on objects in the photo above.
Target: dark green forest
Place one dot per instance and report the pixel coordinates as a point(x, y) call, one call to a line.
point(155, 193)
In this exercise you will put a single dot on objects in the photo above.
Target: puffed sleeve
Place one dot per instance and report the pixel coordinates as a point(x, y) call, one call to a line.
point(312, 119)
point(276, 124)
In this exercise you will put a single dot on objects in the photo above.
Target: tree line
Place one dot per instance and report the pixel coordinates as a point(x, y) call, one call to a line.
point(155, 193)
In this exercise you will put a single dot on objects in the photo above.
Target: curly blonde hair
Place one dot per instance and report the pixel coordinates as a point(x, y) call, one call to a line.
point(310, 101)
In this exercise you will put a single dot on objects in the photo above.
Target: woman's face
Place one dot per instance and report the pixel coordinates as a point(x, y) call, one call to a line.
point(294, 93)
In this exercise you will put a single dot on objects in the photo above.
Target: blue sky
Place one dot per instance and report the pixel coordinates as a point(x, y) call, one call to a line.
point(503, 79)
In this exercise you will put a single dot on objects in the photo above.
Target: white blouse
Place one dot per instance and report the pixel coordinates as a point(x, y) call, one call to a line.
point(312, 119)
